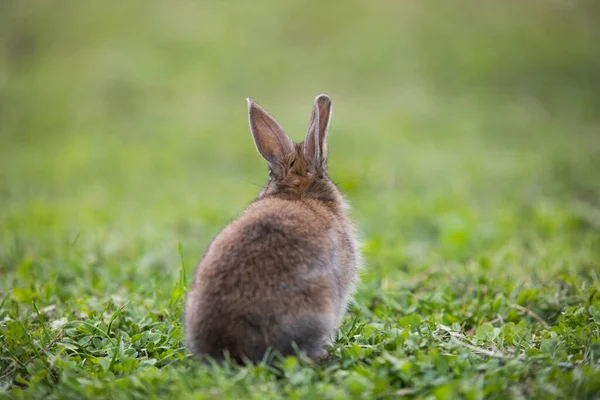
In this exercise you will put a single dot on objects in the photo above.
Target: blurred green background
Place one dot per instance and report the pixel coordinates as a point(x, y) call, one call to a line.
point(458, 126)
point(465, 133)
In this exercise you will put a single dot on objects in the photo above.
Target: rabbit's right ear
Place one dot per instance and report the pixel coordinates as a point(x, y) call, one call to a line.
point(271, 141)
point(315, 143)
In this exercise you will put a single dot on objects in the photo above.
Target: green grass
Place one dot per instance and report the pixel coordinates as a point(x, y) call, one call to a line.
point(465, 134)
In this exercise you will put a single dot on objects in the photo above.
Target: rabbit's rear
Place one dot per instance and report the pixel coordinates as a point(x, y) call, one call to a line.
point(282, 273)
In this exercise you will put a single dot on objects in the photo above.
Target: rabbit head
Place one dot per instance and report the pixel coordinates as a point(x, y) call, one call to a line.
point(296, 170)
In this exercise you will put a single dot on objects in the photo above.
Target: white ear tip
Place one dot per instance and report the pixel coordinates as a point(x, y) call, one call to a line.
point(249, 100)
point(323, 98)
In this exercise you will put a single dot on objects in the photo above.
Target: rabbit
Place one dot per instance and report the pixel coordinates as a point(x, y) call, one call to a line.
point(284, 271)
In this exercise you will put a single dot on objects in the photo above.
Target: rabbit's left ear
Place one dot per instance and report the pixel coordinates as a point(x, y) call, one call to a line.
point(271, 141)
point(315, 143)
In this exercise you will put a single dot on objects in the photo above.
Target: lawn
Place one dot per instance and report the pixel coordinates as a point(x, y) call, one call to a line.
point(465, 134)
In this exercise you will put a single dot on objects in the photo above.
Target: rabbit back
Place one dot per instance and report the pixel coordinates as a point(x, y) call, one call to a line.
point(281, 273)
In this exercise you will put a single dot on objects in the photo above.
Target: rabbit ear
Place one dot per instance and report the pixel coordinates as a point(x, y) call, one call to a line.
point(311, 142)
point(315, 144)
point(271, 141)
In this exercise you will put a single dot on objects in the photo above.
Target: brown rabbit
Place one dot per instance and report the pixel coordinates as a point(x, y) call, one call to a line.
point(282, 272)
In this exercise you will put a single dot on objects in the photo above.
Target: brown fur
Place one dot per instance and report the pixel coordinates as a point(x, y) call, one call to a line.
point(284, 270)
